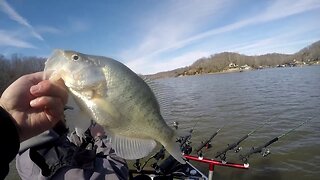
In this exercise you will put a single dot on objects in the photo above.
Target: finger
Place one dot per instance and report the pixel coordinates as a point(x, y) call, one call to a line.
point(54, 107)
point(48, 88)
point(35, 78)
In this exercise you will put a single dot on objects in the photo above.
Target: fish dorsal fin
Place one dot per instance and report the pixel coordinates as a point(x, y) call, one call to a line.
point(163, 94)
point(132, 148)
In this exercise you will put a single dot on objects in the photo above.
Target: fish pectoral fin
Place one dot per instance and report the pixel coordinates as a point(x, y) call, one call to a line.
point(132, 148)
point(77, 119)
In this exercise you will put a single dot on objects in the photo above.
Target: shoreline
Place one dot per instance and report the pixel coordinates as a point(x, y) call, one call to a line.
point(237, 70)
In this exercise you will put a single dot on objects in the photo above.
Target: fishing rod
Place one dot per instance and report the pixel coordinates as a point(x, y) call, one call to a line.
point(170, 167)
point(185, 142)
point(194, 126)
point(157, 156)
point(263, 148)
point(185, 139)
point(235, 145)
point(207, 142)
point(184, 145)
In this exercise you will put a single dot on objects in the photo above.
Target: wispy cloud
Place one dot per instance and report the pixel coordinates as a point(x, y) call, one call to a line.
point(280, 9)
point(285, 8)
point(78, 25)
point(6, 8)
point(169, 26)
point(142, 65)
point(279, 43)
point(47, 29)
point(6, 39)
point(265, 46)
point(177, 29)
point(166, 28)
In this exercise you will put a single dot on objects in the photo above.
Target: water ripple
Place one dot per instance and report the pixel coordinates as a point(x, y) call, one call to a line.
point(243, 101)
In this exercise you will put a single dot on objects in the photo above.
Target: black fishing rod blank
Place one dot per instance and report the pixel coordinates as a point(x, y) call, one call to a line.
point(263, 150)
point(235, 146)
point(157, 156)
point(206, 143)
point(185, 141)
point(222, 154)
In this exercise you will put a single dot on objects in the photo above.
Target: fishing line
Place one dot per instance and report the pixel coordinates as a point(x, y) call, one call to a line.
point(262, 125)
point(301, 124)
point(263, 148)
point(194, 126)
point(235, 145)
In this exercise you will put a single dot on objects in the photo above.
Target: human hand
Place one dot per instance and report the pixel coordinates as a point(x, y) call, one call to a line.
point(34, 104)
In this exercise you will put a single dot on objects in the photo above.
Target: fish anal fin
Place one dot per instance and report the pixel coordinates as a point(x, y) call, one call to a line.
point(132, 148)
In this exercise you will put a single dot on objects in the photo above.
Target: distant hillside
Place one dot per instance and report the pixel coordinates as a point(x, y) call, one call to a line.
point(17, 65)
point(228, 61)
point(309, 53)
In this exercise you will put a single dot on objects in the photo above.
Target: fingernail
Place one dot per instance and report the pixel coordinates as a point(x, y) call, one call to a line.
point(35, 89)
point(34, 102)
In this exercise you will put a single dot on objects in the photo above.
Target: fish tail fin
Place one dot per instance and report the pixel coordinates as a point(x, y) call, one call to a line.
point(174, 149)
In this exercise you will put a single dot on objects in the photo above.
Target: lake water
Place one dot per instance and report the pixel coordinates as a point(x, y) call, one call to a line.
point(244, 101)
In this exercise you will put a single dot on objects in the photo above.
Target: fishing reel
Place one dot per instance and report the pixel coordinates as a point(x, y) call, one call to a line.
point(156, 167)
point(175, 125)
point(160, 155)
point(237, 149)
point(187, 149)
point(200, 154)
point(137, 165)
point(244, 159)
point(208, 145)
point(265, 152)
point(223, 158)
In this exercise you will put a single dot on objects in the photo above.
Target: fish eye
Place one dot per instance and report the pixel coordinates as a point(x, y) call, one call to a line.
point(75, 57)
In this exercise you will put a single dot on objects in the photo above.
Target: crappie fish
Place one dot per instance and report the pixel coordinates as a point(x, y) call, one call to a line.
point(117, 99)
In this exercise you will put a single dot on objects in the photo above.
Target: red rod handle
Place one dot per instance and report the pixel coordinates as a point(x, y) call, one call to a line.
point(213, 163)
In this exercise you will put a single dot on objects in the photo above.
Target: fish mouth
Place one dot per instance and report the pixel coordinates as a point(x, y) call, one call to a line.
point(54, 65)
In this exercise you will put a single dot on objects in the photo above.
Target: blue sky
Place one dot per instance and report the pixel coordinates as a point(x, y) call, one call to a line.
point(150, 36)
